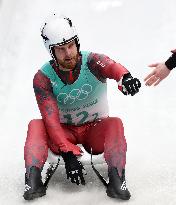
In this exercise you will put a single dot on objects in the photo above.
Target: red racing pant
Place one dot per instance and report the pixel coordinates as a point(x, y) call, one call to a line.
point(106, 135)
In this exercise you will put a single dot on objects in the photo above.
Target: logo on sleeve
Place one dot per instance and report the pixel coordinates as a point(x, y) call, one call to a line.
point(101, 64)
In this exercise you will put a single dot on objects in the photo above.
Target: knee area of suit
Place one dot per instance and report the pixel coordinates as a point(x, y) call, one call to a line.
point(35, 122)
point(115, 122)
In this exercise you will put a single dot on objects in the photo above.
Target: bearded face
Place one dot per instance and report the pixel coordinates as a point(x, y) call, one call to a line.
point(67, 55)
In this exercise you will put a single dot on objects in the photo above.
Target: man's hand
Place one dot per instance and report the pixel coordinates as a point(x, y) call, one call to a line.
point(130, 85)
point(74, 168)
point(70, 147)
point(159, 73)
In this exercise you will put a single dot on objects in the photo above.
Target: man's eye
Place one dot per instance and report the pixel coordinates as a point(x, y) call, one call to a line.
point(60, 49)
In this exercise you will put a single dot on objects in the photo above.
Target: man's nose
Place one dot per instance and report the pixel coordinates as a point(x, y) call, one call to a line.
point(67, 51)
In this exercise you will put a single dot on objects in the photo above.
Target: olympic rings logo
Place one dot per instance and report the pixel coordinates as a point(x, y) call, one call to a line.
point(79, 94)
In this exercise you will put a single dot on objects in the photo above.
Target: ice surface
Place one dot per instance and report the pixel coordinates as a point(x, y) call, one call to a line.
point(135, 33)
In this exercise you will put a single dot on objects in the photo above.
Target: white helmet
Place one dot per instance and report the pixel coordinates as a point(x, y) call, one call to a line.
point(58, 30)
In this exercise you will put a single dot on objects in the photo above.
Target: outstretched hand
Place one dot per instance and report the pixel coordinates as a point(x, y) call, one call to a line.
point(159, 73)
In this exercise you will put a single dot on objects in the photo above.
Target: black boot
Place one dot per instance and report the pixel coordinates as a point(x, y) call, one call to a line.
point(117, 185)
point(34, 187)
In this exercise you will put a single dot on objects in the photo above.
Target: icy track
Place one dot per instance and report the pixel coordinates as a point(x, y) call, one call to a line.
point(132, 32)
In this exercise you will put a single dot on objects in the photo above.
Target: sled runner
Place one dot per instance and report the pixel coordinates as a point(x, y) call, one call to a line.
point(86, 159)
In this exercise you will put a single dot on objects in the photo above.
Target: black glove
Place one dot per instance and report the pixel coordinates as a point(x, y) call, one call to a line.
point(171, 62)
point(74, 168)
point(130, 85)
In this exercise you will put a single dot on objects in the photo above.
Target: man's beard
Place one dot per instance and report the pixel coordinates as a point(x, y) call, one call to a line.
point(69, 63)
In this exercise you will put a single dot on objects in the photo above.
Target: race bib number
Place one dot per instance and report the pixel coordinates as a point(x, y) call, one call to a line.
point(83, 116)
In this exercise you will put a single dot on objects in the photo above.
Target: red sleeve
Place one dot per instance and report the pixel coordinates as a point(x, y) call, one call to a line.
point(50, 113)
point(104, 67)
